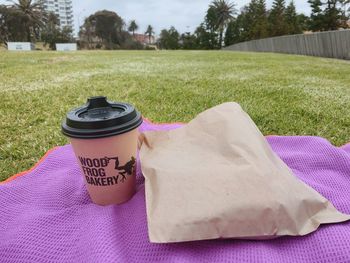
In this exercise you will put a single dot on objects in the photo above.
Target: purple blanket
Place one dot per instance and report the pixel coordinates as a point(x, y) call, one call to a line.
point(46, 215)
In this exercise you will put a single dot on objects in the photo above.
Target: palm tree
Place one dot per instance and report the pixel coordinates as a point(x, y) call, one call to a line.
point(150, 33)
point(225, 11)
point(32, 14)
point(133, 27)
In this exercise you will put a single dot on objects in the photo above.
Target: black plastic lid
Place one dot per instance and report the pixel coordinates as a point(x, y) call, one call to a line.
point(101, 118)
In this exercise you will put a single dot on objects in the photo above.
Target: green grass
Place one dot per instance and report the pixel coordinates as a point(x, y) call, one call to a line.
point(284, 94)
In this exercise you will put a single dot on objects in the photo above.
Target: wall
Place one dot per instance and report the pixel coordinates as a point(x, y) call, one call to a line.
point(331, 44)
point(66, 46)
point(20, 46)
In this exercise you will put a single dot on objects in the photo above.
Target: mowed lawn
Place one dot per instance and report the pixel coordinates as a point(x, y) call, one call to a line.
point(284, 94)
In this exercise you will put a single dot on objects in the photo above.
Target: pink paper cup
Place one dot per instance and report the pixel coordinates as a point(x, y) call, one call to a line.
point(104, 137)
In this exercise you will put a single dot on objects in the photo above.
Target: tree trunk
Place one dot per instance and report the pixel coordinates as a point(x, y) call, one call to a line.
point(29, 39)
point(110, 41)
point(220, 38)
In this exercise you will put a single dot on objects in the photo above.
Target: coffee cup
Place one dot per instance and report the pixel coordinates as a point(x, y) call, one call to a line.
point(104, 137)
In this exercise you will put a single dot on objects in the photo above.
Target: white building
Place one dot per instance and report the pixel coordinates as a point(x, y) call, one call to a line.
point(62, 8)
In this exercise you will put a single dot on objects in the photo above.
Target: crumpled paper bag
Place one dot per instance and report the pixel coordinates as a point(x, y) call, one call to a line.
point(217, 177)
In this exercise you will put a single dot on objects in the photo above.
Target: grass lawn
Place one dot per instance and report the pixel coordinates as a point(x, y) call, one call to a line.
point(284, 94)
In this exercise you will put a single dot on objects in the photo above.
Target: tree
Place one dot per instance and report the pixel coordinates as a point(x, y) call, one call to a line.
point(211, 19)
point(133, 27)
point(256, 20)
point(50, 32)
point(291, 18)
point(3, 24)
point(210, 36)
point(53, 34)
point(332, 15)
point(202, 37)
point(169, 39)
point(31, 15)
point(189, 41)
point(317, 16)
point(237, 30)
point(150, 33)
point(105, 25)
point(11, 25)
point(303, 22)
point(87, 34)
point(346, 9)
point(224, 14)
point(231, 33)
point(345, 6)
point(277, 23)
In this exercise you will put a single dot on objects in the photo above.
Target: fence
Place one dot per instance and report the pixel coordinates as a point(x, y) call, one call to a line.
point(331, 44)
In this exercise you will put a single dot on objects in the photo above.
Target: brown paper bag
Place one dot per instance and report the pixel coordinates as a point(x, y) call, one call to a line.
point(217, 177)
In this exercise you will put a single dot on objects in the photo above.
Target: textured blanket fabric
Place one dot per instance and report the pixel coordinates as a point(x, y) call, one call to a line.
point(46, 215)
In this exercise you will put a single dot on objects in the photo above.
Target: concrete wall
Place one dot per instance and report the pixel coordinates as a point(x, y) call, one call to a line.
point(66, 46)
point(20, 46)
point(330, 44)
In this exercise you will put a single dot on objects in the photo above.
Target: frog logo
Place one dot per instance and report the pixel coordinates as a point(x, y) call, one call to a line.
point(126, 169)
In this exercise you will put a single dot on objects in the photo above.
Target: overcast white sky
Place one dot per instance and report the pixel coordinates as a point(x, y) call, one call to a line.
point(183, 14)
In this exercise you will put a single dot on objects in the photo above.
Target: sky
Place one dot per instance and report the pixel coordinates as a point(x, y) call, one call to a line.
point(184, 15)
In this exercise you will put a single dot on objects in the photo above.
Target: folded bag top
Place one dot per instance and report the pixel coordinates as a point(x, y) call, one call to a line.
point(217, 177)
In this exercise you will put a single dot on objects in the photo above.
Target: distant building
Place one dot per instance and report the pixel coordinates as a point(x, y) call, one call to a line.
point(63, 9)
point(144, 39)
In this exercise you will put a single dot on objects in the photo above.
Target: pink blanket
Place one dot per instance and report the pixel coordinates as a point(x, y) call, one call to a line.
point(46, 215)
